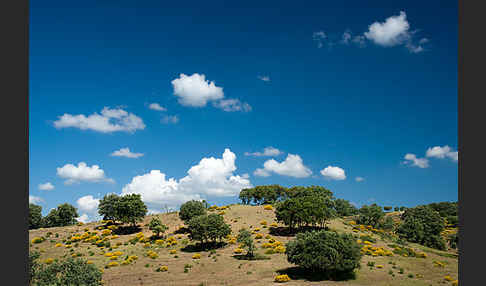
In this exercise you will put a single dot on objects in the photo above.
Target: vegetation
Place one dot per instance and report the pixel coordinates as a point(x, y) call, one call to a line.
point(107, 207)
point(64, 215)
point(244, 237)
point(35, 216)
point(76, 272)
point(263, 194)
point(130, 209)
point(157, 227)
point(325, 251)
point(344, 208)
point(313, 209)
point(192, 209)
point(208, 228)
point(370, 215)
point(423, 225)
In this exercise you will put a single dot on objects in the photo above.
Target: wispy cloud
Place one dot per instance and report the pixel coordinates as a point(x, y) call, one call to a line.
point(125, 152)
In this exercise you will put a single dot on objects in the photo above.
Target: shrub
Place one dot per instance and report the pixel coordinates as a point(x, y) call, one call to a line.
point(208, 228)
point(163, 268)
point(196, 256)
point(282, 278)
point(68, 272)
point(157, 227)
point(268, 207)
point(324, 251)
point(191, 209)
point(244, 237)
point(387, 208)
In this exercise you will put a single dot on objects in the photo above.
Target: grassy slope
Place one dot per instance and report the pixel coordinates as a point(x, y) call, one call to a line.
point(227, 270)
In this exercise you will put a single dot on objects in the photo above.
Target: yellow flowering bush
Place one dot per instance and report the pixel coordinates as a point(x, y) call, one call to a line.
point(163, 268)
point(118, 253)
point(173, 251)
point(258, 236)
point(379, 266)
point(152, 254)
point(146, 245)
point(133, 257)
point(125, 262)
point(238, 250)
point(222, 213)
point(112, 264)
point(448, 278)
point(89, 262)
point(48, 261)
point(263, 222)
point(58, 245)
point(280, 249)
point(268, 207)
point(159, 242)
point(108, 254)
point(113, 257)
point(196, 256)
point(455, 282)
point(282, 278)
point(37, 239)
point(273, 224)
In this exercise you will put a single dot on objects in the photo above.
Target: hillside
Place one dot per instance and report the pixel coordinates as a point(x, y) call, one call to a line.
point(222, 268)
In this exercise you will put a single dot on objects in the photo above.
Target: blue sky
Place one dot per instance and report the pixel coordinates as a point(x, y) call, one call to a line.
point(348, 85)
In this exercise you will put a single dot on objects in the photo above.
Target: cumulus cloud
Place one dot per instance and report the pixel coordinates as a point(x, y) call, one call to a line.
point(110, 120)
point(83, 218)
point(232, 104)
point(442, 152)
point(418, 162)
point(88, 204)
point(359, 179)
point(82, 173)
point(267, 151)
point(333, 173)
point(210, 177)
point(170, 119)
point(125, 152)
point(292, 166)
point(35, 200)
point(156, 106)
point(46, 187)
point(264, 78)
point(195, 90)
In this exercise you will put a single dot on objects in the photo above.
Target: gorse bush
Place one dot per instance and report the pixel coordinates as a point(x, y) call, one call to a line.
point(191, 209)
point(324, 251)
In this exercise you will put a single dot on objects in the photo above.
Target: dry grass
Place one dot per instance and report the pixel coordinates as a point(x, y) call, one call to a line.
point(225, 269)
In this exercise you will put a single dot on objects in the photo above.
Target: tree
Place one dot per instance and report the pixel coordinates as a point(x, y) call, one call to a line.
point(370, 215)
point(75, 272)
point(208, 228)
point(387, 208)
point(64, 215)
point(310, 209)
point(130, 209)
point(157, 227)
point(422, 225)
point(344, 208)
point(402, 208)
point(396, 209)
point(445, 209)
point(35, 216)
point(107, 206)
point(191, 209)
point(322, 250)
point(244, 237)
point(387, 223)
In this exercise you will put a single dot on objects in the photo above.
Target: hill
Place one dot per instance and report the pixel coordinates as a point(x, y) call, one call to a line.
point(221, 266)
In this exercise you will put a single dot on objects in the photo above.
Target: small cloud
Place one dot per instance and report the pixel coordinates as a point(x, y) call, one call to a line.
point(88, 204)
point(418, 162)
point(267, 151)
point(232, 104)
point(264, 78)
point(125, 152)
point(319, 37)
point(168, 119)
point(261, 172)
point(442, 152)
point(82, 173)
point(292, 166)
point(195, 90)
point(46, 187)
point(35, 200)
point(359, 179)
point(156, 106)
point(333, 173)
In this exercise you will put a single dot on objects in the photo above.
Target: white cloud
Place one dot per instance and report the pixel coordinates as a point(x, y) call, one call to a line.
point(82, 172)
point(125, 152)
point(346, 37)
point(292, 166)
point(394, 31)
point(170, 119)
point(156, 106)
point(46, 187)
point(267, 151)
point(442, 152)
point(261, 172)
point(195, 90)
point(110, 120)
point(232, 104)
point(418, 162)
point(83, 218)
point(319, 38)
point(210, 177)
point(359, 179)
point(264, 78)
point(88, 204)
point(333, 173)
point(35, 200)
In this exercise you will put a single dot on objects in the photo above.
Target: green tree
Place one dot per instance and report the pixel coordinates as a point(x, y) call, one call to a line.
point(64, 215)
point(157, 227)
point(35, 216)
point(73, 272)
point(422, 225)
point(322, 250)
point(387, 208)
point(244, 237)
point(445, 209)
point(370, 215)
point(387, 223)
point(107, 206)
point(344, 208)
point(130, 209)
point(396, 209)
point(310, 209)
point(191, 209)
point(208, 228)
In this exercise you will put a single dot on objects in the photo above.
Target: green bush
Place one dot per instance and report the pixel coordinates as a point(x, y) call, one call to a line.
point(244, 237)
point(325, 251)
point(370, 215)
point(157, 227)
point(208, 228)
point(422, 225)
point(191, 209)
point(71, 271)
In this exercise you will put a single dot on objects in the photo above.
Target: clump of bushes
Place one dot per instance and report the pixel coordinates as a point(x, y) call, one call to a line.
point(67, 272)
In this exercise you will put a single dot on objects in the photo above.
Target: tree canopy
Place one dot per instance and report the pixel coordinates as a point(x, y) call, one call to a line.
point(208, 228)
point(191, 209)
point(35, 216)
point(130, 209)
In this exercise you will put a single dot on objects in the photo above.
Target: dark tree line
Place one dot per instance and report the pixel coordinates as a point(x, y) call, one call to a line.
point(64, 215)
